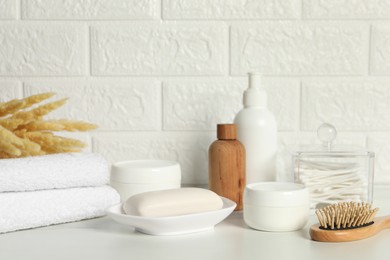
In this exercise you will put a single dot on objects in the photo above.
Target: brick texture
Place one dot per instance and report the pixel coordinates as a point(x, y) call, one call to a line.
point(348, 104)
point(292, 48)
point(10, 89)
point(42, 49)
point(380, 144)
point(92, 9)
point(8, 9)
point(166, 49)
point(211, 9)
point(380, 50)
point(348, 9)
point(112, 104)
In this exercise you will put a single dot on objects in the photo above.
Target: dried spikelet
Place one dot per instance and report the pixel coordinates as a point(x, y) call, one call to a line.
point(35, 99)
point(39, 112)
point(20, 133)
point(346, 215)
point(54, 144)
point(41, 138)
point(10, 143)
point(8, 148)
point(69, 142)
point(58, 125)
point(30, 147)
point(10, 123)
point(70, 125)
point(56, 149)
point(6, 134)
point(40, 125)
point(11, 107)
point(25, 133)
point(5, 155)
point(26, 153)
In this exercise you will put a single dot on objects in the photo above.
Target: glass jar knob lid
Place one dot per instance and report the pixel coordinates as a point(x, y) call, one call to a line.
point(327, 134)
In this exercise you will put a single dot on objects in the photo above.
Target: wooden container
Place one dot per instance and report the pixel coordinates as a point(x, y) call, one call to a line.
point(227, 165)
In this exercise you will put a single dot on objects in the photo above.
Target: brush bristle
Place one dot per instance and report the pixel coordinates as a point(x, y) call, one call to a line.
point(346, 215)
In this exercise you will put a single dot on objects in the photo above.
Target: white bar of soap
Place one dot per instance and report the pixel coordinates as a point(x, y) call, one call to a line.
point(173, 202)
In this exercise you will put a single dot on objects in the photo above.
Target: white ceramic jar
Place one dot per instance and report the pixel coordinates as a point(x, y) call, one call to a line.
point(276, 206)
point(133, 177)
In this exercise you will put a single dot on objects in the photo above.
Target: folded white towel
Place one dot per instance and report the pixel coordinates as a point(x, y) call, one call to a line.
point(22, 210)
point(53, 171)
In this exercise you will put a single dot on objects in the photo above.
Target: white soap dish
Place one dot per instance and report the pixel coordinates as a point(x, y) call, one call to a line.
point(174, 225)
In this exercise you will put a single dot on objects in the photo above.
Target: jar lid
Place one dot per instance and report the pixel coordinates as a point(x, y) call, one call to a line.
point(145, 171)
point(276, 194)
point(327, 134)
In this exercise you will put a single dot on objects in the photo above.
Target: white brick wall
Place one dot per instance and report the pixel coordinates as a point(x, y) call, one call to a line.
point(211, 9)
point(42, 49)
point(380, 49)
point(346, 9)
point(350, 104)
point(159, 49)
point(158, 75)
point(8, 9)
point(299, 48)
point(90, 10)
point(10, 89)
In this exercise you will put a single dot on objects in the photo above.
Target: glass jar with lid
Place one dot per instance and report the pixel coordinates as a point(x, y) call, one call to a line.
point(333, 173)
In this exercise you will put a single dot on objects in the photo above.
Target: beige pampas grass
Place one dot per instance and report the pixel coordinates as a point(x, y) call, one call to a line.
point(10, 107)
point(35, 99)
point(25, 132)
point(59, 125)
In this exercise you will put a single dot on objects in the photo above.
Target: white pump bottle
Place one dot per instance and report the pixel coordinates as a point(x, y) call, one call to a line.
point(257, 131)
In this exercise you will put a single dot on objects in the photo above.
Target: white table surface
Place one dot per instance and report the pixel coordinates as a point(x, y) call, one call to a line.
point(103, 238)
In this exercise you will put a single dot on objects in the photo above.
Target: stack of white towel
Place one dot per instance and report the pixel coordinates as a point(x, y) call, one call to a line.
point(52, 189)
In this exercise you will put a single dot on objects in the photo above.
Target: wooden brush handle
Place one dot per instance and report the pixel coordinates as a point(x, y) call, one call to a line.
point(345, 235)
point(384, 222)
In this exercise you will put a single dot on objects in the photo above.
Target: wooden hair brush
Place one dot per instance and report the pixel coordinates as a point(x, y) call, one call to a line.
point(347, 221)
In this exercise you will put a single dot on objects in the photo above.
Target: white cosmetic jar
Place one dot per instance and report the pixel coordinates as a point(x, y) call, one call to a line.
point(132, 177)
point(276, 206)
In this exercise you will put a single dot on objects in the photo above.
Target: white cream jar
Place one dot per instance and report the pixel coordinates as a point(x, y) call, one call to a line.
point(276, 206)
point(133, 177)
